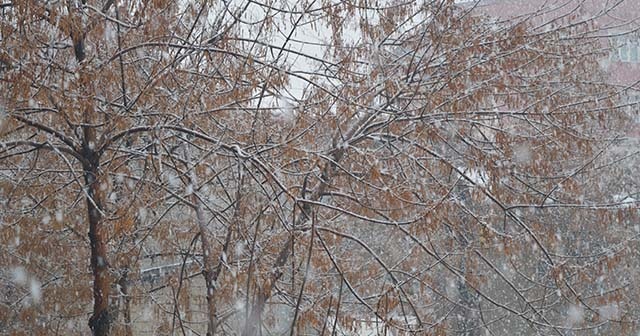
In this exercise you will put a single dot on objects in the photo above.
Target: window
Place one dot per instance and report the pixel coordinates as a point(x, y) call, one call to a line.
point(631, 104)
point(623, 49)
point(626, 48)
point(634, 110)
point(633, 51)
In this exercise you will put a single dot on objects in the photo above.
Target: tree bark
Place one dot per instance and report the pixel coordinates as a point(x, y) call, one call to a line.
point(209, 272)
point(210, 275)
point(100, 322)
point(124, 287)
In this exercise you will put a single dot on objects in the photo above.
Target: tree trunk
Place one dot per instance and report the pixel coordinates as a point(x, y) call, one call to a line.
point(209, 275)
point(467, 315)
point(468, 319)
point(100, 321)
point(124, 287)
point(253, 324)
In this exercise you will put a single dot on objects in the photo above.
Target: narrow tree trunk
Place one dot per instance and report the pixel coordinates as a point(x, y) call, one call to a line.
point(253, 326)
point(100, 321)
point(467, 316)
point(124, 286)
point(468, 319)
point(208, 272)
point(254, 323)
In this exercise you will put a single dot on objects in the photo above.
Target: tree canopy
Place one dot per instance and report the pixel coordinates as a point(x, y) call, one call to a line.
point(312, 167)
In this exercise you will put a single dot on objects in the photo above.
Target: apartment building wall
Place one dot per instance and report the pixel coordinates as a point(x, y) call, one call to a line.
point(615, 23)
